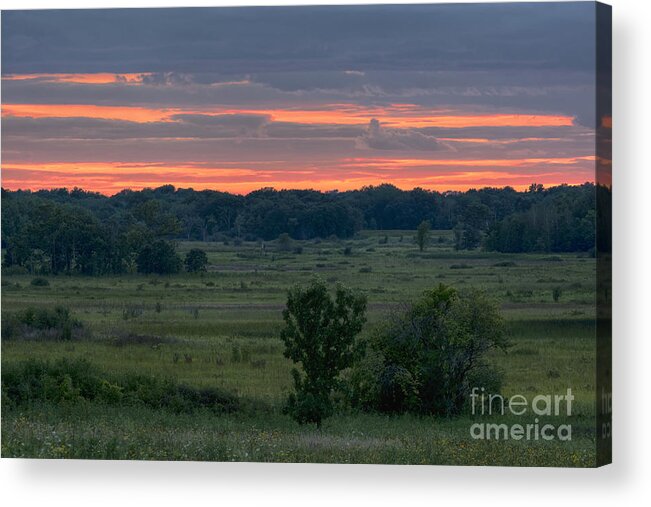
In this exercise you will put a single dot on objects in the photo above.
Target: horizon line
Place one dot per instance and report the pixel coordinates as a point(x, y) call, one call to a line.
point(523, 188)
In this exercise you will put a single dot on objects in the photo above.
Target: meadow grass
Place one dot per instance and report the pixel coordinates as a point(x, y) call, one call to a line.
point(221, 329)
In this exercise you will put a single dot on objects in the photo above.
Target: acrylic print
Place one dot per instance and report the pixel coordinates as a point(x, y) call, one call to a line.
point(338, 234)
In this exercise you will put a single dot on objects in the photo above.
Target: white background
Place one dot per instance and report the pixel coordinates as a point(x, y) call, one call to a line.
point(627, 481)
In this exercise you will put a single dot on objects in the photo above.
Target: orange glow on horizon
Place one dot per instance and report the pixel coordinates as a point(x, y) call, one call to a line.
point(112, 187)
point(111, 177)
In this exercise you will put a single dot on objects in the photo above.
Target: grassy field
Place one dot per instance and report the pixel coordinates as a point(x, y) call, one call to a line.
point(221, 329)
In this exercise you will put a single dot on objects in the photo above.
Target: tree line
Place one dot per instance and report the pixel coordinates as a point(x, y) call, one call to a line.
point(87, 232)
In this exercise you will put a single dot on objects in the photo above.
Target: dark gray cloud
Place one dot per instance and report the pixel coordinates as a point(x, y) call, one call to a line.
point(95, 140)
point(538, 57)
point(416, 37)
point(570, 93)
point(188, 126)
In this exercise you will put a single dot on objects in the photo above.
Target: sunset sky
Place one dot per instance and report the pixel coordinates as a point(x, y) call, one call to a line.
point(445, 97)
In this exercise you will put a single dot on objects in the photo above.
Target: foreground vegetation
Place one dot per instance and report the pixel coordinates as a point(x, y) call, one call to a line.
point(219, 332)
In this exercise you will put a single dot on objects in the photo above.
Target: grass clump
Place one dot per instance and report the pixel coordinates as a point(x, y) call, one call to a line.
point(552, 258)
point(127, 339)
point(505, 264)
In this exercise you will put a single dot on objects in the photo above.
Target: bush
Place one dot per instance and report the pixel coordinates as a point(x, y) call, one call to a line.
point(158, 257)
point(427, 359)
point(284, 242)
point(196, 261)
point(73, 381)
point(132, 311)
point(306, 406)
point(41, 324)
point(39, 282)
point(129, 339)
point(422, 234)
point(557, 292)
point(236, 354)
point(14, 270)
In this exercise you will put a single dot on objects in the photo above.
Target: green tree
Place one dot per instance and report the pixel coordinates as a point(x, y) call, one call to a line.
point(422, 234)
point(196, 261)
point(284, 242)
point(319, 334)
point(428, 359)
point(158, 257)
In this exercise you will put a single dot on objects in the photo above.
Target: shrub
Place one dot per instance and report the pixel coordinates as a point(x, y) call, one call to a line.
point(236, 354)
point(422, 234)
point(284, 242)
point(72, 381)
point(158, 257)
point(127, 339)
point(427, 359)
point(246, 354)
point(132, 311)
point(41, 324)
point(39, 281)
point(196, 261)
point(556, 294)
point(14, 270)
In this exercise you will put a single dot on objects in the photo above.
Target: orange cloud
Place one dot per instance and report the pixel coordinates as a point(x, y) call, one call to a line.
point(135, 114)
point(399, 163)
point(483, 140)
point(96, 78)
point(395, 116)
